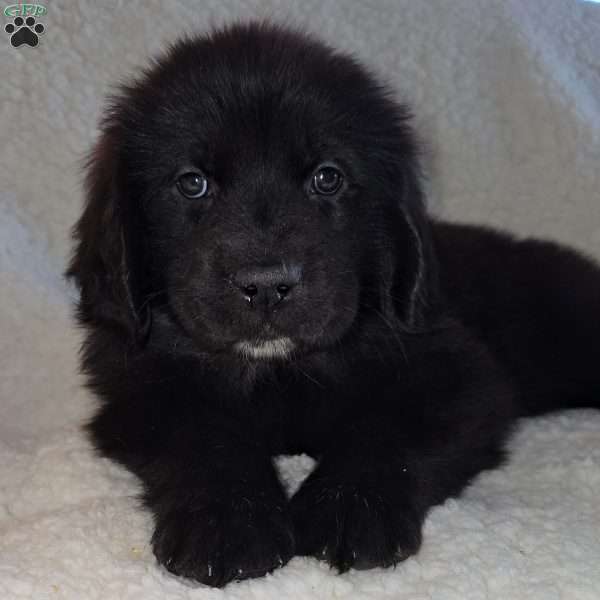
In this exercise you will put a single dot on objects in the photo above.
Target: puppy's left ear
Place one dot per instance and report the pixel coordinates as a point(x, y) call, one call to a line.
point(411, 284)
point(106, 262)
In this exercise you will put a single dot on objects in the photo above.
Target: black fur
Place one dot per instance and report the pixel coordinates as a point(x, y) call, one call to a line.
point(409, 347)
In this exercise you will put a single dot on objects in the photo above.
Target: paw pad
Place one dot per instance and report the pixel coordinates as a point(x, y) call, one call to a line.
point(24, 31)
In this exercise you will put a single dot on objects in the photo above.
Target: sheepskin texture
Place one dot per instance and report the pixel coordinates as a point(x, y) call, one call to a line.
point(506, 95)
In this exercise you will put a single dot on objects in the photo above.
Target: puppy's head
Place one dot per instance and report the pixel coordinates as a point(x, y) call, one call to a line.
point(259, 189)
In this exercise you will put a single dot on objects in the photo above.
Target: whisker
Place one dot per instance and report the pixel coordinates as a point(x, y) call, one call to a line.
point(310, 378)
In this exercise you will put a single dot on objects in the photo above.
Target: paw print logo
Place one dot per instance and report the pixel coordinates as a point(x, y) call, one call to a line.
point(24, 31)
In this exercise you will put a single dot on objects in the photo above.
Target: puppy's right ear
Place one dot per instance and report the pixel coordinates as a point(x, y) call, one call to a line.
point(107, 251)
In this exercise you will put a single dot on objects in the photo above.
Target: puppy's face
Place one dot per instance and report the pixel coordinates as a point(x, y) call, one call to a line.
point(256, 224)
point(263, 174)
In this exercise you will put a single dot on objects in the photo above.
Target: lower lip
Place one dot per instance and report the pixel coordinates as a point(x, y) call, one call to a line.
point(265, 349)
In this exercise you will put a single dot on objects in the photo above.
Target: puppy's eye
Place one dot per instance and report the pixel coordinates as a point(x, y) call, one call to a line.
point(192, 184)
point(327, 181)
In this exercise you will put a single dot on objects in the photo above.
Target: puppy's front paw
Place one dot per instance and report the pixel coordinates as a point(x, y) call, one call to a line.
point(351, 526)
point(226, 539)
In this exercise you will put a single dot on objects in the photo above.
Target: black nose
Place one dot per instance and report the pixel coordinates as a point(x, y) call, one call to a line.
point(267, 286)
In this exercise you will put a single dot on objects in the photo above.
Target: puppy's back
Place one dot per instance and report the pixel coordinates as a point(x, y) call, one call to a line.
point(537, 304)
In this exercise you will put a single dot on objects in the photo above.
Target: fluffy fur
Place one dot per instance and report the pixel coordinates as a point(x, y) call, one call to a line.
point(266, 318)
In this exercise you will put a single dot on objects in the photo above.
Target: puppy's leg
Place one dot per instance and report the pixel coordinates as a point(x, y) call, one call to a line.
point(219, 510)
point(409, 449)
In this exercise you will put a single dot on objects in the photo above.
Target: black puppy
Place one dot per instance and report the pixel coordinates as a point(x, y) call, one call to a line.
point(258, 276)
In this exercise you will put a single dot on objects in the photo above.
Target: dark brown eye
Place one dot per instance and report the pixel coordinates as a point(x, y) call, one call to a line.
point(327, 181)
point(192, 185)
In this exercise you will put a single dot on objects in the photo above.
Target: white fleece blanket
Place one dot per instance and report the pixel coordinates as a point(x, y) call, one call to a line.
point(508, 97)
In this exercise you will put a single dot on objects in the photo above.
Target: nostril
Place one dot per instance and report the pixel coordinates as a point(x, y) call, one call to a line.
point(283, 290)
point(266, 286)
point(250, 291)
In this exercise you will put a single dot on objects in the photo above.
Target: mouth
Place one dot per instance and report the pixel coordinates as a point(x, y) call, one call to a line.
point(263, 349)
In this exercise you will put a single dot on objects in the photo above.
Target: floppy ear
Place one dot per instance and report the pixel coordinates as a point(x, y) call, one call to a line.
point(411, 286)
point(105, 264)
